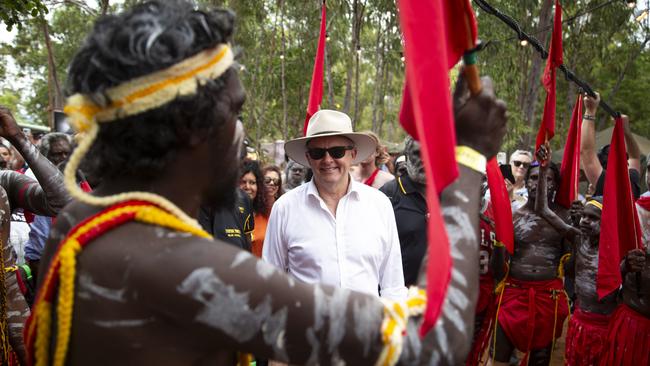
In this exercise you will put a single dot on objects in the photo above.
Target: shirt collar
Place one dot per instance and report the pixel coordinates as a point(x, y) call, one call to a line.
point(353, 189)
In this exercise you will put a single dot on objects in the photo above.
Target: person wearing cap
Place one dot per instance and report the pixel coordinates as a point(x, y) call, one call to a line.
point(333, 229)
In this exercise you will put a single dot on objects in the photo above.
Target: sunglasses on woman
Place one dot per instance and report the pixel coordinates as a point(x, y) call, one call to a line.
point(336, 152)
point(272, 181)
point(518, 163)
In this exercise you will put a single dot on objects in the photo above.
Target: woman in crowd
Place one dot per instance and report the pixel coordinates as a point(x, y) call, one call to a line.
point(272, 190)
point(250, 182)
point(369, 171)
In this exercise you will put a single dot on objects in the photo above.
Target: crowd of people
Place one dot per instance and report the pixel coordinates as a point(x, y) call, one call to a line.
point(321, 260)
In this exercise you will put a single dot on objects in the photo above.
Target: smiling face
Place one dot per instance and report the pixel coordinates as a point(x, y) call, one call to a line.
point(328, 170)
point(590, 221)
point(248, 184)
point(271, 183)
point(520, 164)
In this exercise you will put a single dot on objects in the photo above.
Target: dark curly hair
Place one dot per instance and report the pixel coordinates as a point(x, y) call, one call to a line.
point(150, 37)
point(253, 167)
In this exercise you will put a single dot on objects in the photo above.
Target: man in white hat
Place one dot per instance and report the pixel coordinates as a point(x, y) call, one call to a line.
point(335, 230)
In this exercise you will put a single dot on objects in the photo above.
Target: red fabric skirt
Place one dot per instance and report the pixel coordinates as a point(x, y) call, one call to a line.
point(628, 339)
point(586, 338)
point(487, 304)
point(528, 311)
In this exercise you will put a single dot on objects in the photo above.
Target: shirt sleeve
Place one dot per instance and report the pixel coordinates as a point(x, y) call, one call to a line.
point(391, 275)
point(40, 230)
point(275, 249)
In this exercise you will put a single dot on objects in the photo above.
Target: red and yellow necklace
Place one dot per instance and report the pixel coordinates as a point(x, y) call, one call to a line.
point(60, 278)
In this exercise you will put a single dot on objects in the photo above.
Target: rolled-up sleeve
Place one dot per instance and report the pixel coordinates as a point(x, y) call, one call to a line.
point(275, 250)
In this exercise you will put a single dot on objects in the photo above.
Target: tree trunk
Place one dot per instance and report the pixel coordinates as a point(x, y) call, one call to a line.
point(358, 22)
point(284, 88)
point(104, 5)
point(379, 68)
point(534, 84)
point(54, 89)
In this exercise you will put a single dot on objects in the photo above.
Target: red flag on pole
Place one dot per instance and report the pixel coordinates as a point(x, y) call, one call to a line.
point(501, 209)
point(570, 169)
point(547, 127)
point(316, 88)
point(434, 42)
point(620, 231)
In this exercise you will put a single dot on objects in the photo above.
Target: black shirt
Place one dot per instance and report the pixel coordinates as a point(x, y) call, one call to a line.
point(411, 215)
point(231, 225)
point(635, 177)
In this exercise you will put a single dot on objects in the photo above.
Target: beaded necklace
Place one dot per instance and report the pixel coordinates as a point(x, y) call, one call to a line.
point(62, 272)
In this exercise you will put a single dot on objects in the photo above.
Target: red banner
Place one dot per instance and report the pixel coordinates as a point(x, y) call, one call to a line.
point(620, 231)
point(316, 88)
point(436, 33)
point(501, 209)
point(570, 169)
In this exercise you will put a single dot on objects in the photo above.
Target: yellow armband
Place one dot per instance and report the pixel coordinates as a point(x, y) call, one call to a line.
point(471, 158)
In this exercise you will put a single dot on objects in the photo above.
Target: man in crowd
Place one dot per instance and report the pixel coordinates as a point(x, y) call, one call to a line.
point(177, 297)
point(533, 287)
point(20, 191)
point(335, 230)
point(519, 163)
point(231, 224)
point(295, 175)
point(407, 194)
point(595, 163)
point(587, 334)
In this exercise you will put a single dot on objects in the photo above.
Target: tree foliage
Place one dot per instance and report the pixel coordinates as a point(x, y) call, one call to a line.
point(12, 12)
point(277, 41)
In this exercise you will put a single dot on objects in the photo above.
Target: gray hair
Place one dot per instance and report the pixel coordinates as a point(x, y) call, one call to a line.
point(47, 140)
point(521, 152)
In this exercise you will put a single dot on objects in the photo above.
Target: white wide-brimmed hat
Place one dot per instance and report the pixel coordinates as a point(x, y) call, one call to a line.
point(330, 123)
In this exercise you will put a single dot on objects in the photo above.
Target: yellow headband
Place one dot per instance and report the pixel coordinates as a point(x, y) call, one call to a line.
point(595, 204)
point(137, 96)
point(151, 91)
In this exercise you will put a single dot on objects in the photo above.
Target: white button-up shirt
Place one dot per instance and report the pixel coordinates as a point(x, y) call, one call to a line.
point(358, 249)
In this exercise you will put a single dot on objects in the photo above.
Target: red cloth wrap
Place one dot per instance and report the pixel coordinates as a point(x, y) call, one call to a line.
point(586, 338)
point(371, 178)
point(527, 312)
point(628, 339)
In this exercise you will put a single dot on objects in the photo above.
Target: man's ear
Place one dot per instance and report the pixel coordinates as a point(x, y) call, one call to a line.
point(354, 153)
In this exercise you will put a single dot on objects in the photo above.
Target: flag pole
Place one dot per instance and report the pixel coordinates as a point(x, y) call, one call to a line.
point(469, 58)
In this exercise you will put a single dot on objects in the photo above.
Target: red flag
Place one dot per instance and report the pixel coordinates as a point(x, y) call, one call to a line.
point(547, 127)
point(620, 231)
point(502, 211)
point(435, 35)
point(316, 88)
point(570, 169)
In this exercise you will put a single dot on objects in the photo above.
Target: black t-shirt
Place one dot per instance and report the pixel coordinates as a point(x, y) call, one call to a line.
point(231, 225)
point(411, 215)
point(635, 178)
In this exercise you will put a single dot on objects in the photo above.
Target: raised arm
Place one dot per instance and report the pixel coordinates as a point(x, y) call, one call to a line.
point(50, 196)
point(633, 150)
point(588, 156)
point(541, 199)
point(480, 125)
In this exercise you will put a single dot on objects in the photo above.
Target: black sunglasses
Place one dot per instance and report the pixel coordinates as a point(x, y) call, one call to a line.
point(518, 163)
point(335, 152)
point(273, 181)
